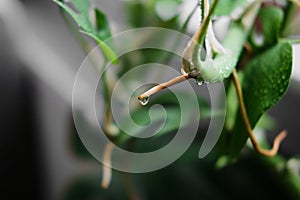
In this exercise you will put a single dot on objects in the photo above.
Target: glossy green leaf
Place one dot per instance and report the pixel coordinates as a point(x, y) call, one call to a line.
point(92, 22)
point(266, 79)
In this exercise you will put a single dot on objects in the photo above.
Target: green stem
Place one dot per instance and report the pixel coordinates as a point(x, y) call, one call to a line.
point(291, 40)
point(201, 33)
point(96, 61)
point(107, 92)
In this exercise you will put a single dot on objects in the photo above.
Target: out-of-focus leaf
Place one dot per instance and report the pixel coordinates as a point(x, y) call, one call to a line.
point(88, 186)
point(77, 146)
point(266, 122)
point(166, 9)
point(285, 172)
point(227, 7)
point(135, 9)
point(292, 177)
point(172, 115)
point(290, 25)
point(141, 117)
point(270, 19)
point(92, 22)
point(266, 79)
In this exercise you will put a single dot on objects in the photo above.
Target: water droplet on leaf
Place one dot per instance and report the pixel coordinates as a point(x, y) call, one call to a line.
point(144, 101)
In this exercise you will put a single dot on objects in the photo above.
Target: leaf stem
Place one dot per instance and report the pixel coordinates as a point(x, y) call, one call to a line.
point(279, 137)
point(164, 85)
point(108, 121)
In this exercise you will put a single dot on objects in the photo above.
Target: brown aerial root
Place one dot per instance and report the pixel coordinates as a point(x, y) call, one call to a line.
point(106, 179)
point(162, 86)
point(279, 137)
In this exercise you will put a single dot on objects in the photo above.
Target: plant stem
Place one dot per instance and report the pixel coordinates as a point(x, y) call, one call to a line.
point(279, 137)
point(296, 2)
point(107, 92)
point(201, 33)
point(164, 85)
point(130, 187)
point(108, 120)
point(183, 29)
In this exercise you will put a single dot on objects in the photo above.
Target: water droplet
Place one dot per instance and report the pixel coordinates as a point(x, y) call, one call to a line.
point(202, 83)
point(144, 101)
point(199, 83)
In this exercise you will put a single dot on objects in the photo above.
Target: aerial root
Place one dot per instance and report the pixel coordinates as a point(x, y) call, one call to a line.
point(279, 137)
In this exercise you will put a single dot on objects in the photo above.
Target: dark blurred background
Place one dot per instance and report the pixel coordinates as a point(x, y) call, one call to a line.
point(38, 60)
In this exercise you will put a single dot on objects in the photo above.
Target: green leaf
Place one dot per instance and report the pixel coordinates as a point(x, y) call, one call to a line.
point(141, 117)
point(137, 13)
point(167, 9)
point(290, 25)
point(286, 172)
point(92, 22)
point(78, 147)
point(108, 52)
point(227, 7)
point(271, 19)
point(266, 79)
point(102, 26)
point(291, 176)
point(172, 116)
point(88, 186)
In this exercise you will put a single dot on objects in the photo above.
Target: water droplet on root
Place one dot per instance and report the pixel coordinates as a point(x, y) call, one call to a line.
point(202, 83)
point(199, 83)
point(144, 101)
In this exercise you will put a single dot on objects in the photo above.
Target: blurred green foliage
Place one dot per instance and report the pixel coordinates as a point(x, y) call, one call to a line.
point(231, 170)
